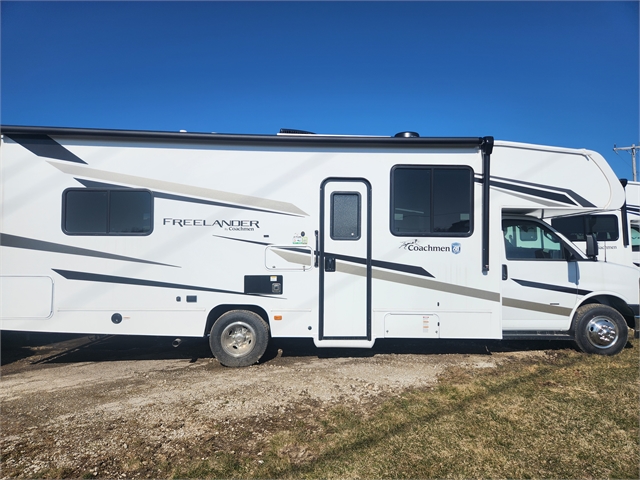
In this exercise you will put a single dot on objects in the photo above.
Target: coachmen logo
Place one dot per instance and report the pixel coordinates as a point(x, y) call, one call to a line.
point(414, 246)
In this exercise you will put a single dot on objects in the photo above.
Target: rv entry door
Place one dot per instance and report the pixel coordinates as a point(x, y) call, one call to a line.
point(345, 259)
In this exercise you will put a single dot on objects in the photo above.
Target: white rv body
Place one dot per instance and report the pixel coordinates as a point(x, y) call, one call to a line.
point(315, 235)
point(633, 209)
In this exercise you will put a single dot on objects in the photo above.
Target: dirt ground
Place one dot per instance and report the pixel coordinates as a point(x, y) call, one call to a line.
point(129, 407)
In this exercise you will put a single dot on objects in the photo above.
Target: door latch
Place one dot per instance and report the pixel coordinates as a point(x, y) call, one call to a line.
point(329, 264)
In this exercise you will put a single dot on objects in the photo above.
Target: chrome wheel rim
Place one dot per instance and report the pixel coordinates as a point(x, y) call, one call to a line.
point(602, 332)
point(238, 339)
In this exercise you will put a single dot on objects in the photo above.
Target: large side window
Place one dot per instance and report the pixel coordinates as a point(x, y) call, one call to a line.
point(88, 211)
point(577, 228)
point(526, 240)
point(431, 201)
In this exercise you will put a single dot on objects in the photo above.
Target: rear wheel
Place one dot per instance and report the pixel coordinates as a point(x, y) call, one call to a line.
point(600, 329)
point(239, 338)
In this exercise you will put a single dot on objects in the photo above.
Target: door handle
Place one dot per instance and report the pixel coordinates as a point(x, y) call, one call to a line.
point(505, 272)
point(329, 264)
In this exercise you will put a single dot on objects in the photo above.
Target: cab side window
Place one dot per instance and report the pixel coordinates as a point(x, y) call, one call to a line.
point(635, 238)
point(526, 240)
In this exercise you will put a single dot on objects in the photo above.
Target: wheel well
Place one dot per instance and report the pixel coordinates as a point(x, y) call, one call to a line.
point(615, 303)
point(222, 309)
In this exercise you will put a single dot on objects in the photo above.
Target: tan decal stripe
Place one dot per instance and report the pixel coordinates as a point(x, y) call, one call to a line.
point(420, 282)
point(536, 307)
point(234, 198)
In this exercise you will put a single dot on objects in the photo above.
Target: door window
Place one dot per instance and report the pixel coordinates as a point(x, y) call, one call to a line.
point(527, 240)
point(635, 238)
point(345, 216)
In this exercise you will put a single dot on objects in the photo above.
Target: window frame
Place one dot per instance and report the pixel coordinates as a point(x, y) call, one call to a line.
point(108, 212)
point(585, 218)
point(332, 216)
point(433, 169)
point(568, 253)
point(634, 248)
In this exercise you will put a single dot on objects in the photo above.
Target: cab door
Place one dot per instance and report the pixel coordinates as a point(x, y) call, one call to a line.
point(345, 259)
point(539, 278)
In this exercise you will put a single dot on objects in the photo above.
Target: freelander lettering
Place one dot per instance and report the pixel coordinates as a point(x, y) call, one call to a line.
point(233, 225)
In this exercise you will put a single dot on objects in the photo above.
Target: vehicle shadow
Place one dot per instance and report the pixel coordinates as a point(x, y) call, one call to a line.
point(44, 348)
point(306, 348)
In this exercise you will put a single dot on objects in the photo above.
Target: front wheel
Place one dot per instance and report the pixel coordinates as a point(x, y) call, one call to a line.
point(600, 329)
point(239, 338)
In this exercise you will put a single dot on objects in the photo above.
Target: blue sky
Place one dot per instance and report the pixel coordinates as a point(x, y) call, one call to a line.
point(555, 73)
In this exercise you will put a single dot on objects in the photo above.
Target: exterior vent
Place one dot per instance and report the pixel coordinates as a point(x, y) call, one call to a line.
point(407, 134)
point(293, 130)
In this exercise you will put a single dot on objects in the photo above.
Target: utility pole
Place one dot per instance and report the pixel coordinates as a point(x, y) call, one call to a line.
point(633, 149)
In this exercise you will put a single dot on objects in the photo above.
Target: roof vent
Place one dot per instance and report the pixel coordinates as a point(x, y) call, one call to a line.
point(294, 131)
point(407, 134)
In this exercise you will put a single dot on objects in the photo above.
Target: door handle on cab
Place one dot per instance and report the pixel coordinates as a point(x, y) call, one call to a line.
point(505, 272)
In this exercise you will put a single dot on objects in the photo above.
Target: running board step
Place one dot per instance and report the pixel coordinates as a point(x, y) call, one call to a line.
point(536, 335)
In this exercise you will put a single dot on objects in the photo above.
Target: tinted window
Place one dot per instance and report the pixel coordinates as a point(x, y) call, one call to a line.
point(577, 228)
point(86, 211)
point(130, 212)
point(431, 201)
point(107, 212)
point(345, 216)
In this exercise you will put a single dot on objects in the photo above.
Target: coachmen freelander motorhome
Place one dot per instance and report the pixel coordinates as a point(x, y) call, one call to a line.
point(336, 238)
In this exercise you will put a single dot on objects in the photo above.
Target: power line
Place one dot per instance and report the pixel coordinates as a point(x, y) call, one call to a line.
point(633, 149)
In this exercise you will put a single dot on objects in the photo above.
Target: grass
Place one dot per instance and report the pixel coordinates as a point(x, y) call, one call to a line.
point(563, 415)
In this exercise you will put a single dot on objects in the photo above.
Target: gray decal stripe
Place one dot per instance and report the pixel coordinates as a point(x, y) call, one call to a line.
point(44, 146)
point(536, 307)
point(178, 198)
point(14, 241)
point(400, 267)
point(188, 191)
point(243, 240)
point(181, 198)
point(553, 288)
point(558, 197)
point(415, 270)
point(95, 277)
point(574, 196)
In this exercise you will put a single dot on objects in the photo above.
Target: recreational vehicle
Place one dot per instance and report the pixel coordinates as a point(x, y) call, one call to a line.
point(341, 239)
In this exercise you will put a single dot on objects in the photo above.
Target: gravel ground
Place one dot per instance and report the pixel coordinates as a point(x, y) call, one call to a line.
point(116, 407)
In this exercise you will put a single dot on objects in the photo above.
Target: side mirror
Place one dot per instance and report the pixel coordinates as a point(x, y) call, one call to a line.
point(592, 247)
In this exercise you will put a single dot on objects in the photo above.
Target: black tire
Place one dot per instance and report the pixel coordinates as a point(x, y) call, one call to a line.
point(239, 338)
point(600, 329)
